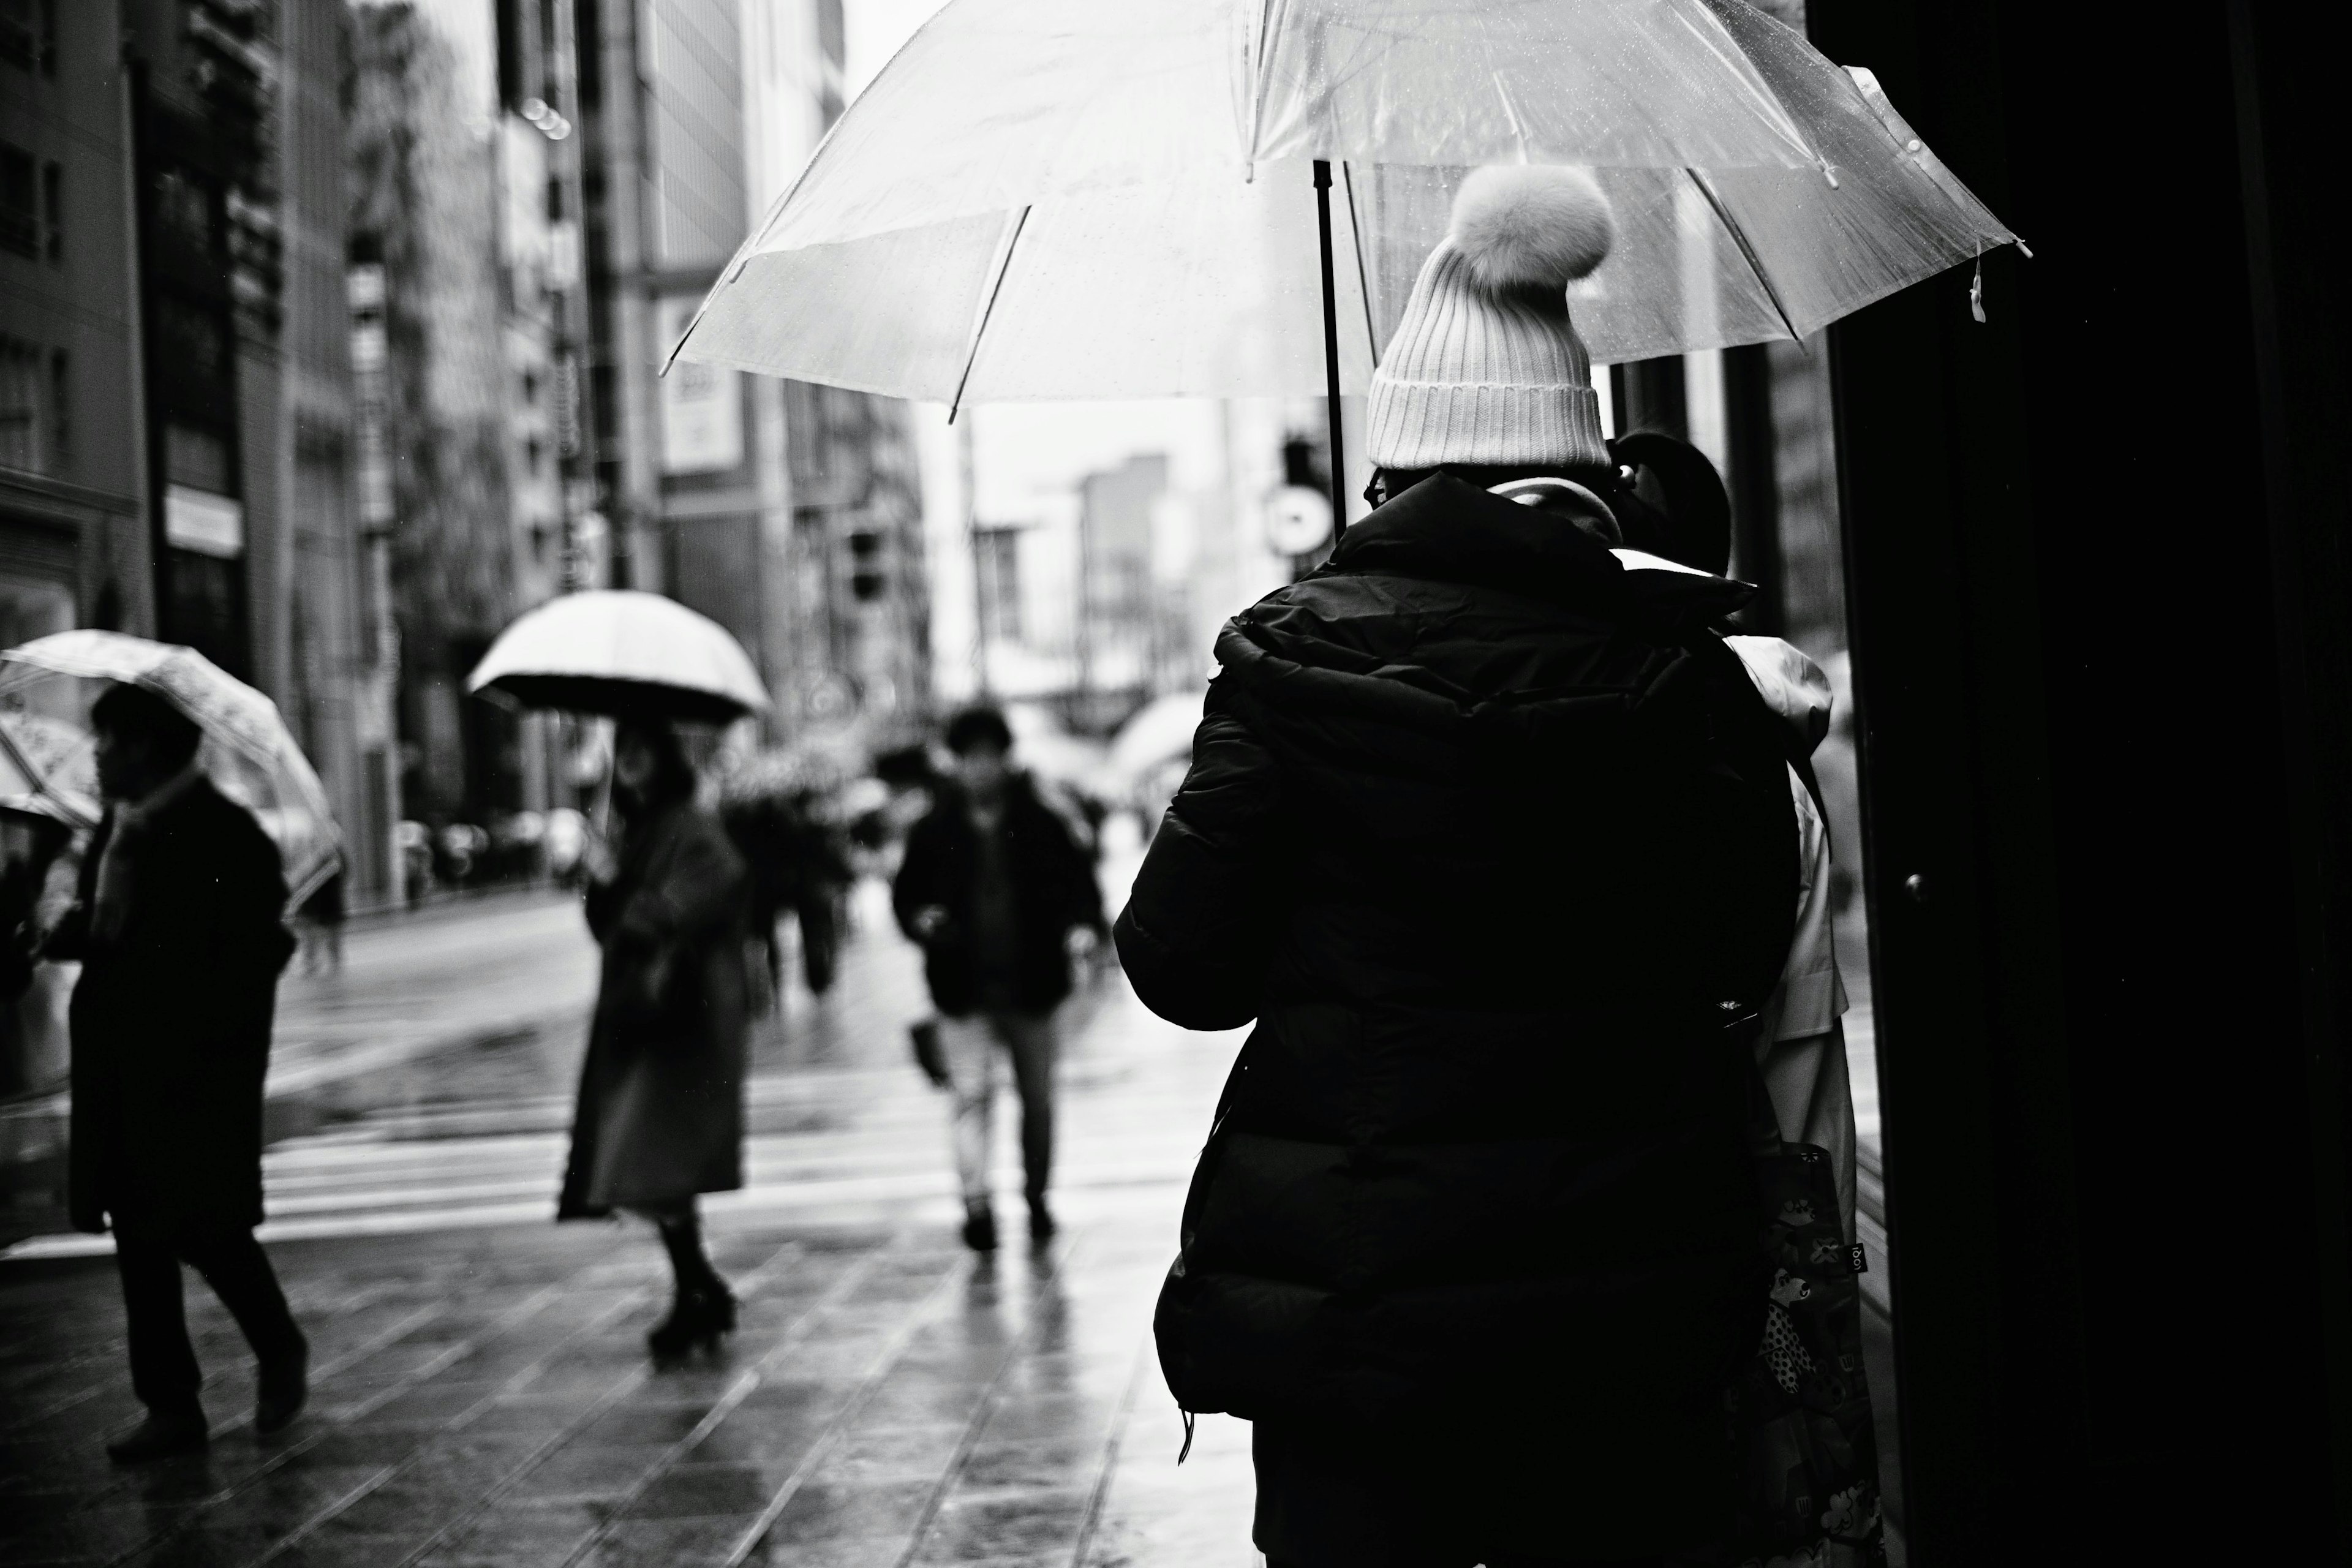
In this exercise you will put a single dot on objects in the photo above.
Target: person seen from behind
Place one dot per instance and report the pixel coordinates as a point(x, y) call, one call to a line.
point(1491, 836)
point(660, 1114)
point(179, 924)
point(1001, 896)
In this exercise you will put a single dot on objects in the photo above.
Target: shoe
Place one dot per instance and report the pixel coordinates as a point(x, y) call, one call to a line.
point(697, 1320)
point(980, 1228)
point(285, 1389)
point(159, 1438)
point(1041, 1222)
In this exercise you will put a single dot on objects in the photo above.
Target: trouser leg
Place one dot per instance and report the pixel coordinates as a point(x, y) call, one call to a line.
point(163, 1371)
point(969, 1046)
point(238, 1271)
point(1032, 1040)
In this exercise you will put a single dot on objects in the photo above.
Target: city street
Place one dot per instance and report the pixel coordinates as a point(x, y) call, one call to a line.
point(481, 1390)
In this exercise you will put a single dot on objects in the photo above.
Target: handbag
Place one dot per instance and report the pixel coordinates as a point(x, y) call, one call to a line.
point(1800, 1407)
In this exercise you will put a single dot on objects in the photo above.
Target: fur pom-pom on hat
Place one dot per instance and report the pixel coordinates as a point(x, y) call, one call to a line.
point(1531, 225)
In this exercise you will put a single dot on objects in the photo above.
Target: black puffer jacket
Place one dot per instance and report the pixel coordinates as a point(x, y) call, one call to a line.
point(1486, 832)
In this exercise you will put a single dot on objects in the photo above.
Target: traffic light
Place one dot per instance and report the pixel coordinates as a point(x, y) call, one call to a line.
point(866, 581)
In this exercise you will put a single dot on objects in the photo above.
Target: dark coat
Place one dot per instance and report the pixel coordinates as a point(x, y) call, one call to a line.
point(1054, 890)
point(661, 1115)
point(171, 1023)
point(1486, 832)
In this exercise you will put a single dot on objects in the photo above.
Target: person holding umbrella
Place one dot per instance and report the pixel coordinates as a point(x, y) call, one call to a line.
point(659, 1119)
point(179, 926)
point(660, 1112)
point(1492, 837)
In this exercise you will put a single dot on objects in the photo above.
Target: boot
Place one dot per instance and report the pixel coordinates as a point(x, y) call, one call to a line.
point(1041, 1220)
point(285, 1389)
point(979, 1226)
point(697, 1319)
point(705, 1307)
point(161, 1435)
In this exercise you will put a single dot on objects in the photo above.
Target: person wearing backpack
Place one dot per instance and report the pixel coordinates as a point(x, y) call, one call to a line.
point(1492, 838)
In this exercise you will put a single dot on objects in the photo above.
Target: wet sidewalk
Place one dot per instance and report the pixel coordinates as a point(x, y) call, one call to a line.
point(483, 1397)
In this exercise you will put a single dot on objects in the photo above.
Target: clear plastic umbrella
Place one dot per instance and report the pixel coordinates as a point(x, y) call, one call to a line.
point(47, 684)
point(1065, 198)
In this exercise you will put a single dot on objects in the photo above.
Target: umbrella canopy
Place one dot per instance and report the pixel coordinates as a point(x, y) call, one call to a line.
point(623, 652)
point(1063, 198)
point(48, 768)
point(1161, 731)
point(249, 754)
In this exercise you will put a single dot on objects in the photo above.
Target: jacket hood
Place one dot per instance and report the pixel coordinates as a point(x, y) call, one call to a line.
point(1447, 529)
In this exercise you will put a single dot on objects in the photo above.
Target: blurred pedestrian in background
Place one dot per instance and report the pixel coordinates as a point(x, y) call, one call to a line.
point(660, 1114)
point(322, 928)
point(1492, 837)
point(179, 925)
point(998, 891)
point(780, 815)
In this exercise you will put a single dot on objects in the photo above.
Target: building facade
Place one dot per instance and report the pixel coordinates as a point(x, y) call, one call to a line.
point(790, 514)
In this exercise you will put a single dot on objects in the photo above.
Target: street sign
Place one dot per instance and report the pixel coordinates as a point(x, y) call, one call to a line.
point(1298, 521)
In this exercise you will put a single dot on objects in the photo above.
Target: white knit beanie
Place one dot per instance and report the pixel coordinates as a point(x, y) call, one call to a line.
point(1485, 367)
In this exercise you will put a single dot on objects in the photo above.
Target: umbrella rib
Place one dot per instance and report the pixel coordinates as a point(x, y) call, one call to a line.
point(1363, 280)
point(1746, 250)
point(973, 355)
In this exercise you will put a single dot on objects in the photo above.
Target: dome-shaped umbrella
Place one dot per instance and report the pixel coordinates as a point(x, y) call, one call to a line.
point(48, 768)
point(1160, 730)
point(624, 653)
point(248, 753)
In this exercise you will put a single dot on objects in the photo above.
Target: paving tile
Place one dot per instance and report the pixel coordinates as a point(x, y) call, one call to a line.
point(831, 1511)
point(698, 1491)
point(669, 1543)
point(514, 1535)
point(1076, 1417)
point(581, 1472)
point(1043, 1465)
point(845, 1551)
point(1018, 1527)
point(634, 1426)
point(760, 1436)
point(895, 1453)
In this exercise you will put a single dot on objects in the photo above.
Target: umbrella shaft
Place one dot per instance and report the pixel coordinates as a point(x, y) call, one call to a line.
point(1331, 349)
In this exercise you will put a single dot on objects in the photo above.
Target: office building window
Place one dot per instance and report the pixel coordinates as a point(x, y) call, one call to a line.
point(27, 426)
point(53, 213)
point(28, 34)
point(61, 410)
point(20, 212)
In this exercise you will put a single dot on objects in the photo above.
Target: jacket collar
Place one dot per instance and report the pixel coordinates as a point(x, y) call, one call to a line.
point(1451, 530)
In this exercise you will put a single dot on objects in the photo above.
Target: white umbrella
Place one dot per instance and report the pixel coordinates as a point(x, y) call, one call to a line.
point(248, 753)
point(1160, 732)
point(618, 651)
point(1069, 198)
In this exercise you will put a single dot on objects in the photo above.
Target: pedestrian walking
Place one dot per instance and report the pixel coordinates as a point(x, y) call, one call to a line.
point(178, 924)
point(322, 928)
point(660, 1114)
point(1001, 898)
point(1492, 837)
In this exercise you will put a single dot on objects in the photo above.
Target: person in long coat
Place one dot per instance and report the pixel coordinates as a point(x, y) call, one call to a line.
point(179, 926)
point(660, 1114)
point(1492, 837)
